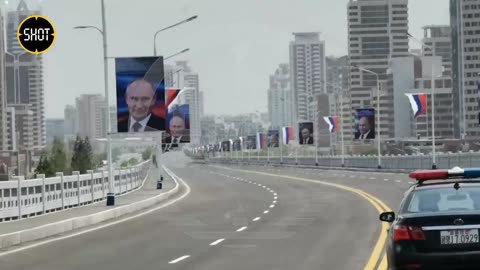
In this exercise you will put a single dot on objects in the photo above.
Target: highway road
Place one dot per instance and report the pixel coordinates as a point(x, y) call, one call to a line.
point(240, 218)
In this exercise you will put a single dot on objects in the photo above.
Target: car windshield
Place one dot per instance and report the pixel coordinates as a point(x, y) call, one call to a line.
point(444, 199)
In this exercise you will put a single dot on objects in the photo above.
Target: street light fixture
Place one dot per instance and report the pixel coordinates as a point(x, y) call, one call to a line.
point(178, 53)
point(166, 28)
point(103, 32)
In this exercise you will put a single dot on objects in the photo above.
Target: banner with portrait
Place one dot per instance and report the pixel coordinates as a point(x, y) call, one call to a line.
point(364, 124)
point(305, 133)
point(251, 143)
point(273, 138)
point(178, 124)
point(226, 146)
point(140, 91)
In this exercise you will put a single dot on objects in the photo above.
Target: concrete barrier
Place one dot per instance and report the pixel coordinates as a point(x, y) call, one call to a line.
point(64, 226)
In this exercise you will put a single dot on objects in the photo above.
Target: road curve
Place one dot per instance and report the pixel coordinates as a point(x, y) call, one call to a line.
point(231, 219)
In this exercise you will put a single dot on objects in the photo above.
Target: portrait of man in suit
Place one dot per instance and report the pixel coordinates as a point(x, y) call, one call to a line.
point(178, 124)
point(365, 124)
point(306, 133)
point(140, 97)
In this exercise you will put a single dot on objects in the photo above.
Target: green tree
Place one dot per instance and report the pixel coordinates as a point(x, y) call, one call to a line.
point(147, 154)
point(124, 164)
point(76, 157)
point(132, 161)
point(88, 155)
point(82, 159)
point(44, 166)
point(58, 156)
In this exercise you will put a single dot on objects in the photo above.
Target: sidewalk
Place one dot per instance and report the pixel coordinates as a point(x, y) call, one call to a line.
point(147, 191)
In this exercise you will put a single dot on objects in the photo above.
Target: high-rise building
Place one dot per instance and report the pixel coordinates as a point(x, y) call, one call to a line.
point(24, 74)
point(202, 104)
point(20, 127)
point(280, 98)
point(337, 73)
point(337, 84)
point(307, 69)
point(190, 96)
point(3, 89)
point(322, 135)
point(113, 120)
point(377, 32)
point(413, 75)
point(91, 116)
point(465, 26)
point(438, 41)
point(55, 129)
point(71, 120)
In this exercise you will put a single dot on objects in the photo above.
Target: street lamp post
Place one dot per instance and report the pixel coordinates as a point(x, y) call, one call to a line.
point(339, 92)
point(166, 28)
point(103, 32)
point(432, 82)
point(379, 151)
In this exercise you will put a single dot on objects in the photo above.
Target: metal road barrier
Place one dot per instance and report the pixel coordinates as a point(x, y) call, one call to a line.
point(44, 195)
point(389, 162)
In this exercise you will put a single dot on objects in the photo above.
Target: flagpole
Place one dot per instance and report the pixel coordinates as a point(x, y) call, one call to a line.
point(434, 163)
point(341, 128)
point(281, 149)
point(296, 155)
point(426, 114)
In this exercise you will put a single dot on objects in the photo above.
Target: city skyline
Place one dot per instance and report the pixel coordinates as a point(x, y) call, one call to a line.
point(225, 48)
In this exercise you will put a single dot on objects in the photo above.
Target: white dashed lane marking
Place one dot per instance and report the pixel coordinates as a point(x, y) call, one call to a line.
point(242, 229)
point(217, 242)
point(179, 259)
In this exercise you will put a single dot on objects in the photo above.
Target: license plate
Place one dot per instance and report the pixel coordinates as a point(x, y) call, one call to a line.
point(452, 237)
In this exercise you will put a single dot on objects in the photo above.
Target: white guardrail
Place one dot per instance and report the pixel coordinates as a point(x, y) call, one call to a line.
point(44, 195)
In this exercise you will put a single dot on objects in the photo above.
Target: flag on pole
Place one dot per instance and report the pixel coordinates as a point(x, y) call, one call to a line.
point(287, 134)
point(332, 122)
point(418, 103)
point(171, 95)
point(261, 140)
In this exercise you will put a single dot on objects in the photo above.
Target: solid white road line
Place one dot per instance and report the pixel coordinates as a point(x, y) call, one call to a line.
point(179, 259)
point(242, 229)
point(256, 219)
point(188, 190)
point(217, 242)
point(266, 212)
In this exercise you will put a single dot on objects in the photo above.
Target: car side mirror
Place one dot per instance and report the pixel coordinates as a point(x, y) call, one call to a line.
point(387, 216)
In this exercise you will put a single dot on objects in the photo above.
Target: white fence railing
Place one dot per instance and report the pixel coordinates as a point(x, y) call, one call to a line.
point(24, 198)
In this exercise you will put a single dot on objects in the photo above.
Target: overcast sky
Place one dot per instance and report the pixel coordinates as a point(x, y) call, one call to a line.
point(235, 45)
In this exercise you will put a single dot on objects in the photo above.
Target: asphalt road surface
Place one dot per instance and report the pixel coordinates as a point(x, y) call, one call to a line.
point(239, 218)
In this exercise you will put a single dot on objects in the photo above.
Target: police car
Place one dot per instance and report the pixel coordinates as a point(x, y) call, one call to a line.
point(438, 222)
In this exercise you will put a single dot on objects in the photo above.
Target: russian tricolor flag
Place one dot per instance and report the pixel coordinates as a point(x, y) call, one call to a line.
point(332, 122)
point(261, 141)
point(287, 134)
point(418, 103)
